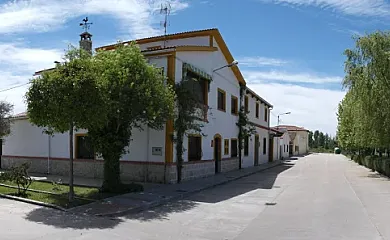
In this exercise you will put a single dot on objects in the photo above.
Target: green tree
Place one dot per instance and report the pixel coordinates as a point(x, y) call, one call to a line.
point(311, 140)
point(321, 140)
point(316, 135)
point(326, 141)
point(363, 115)
point(136, 95)
point(66, 98)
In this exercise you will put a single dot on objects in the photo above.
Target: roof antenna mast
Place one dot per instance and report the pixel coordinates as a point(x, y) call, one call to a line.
point(165, 10)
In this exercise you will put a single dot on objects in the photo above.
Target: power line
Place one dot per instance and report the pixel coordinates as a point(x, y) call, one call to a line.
point(17, 86)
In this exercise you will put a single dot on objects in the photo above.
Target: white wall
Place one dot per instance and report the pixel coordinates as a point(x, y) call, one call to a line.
point(248, 161)
point(252, 112)
point(301, 140)
point(28, 140)
point(219, 122)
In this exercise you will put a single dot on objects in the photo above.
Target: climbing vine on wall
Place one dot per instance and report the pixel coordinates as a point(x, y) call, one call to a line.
point(188, 116)
point(246, 128)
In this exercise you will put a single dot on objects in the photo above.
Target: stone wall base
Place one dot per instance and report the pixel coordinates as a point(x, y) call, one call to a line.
point(130, 171)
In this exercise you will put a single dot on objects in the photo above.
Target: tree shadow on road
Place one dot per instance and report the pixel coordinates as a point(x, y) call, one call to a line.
point(262, 180)
point(61, 219)
point(163, 212)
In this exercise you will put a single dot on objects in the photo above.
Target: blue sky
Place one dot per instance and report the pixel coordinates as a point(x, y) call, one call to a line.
point(290, 51)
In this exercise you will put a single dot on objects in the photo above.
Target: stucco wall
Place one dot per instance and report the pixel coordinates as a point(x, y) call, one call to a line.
point(219, 122)
point(301, 140)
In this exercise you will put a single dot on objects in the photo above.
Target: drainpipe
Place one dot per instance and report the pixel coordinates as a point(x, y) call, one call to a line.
point(49, 153)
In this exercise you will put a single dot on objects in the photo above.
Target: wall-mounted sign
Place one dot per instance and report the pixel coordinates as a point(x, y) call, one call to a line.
point(157, 151)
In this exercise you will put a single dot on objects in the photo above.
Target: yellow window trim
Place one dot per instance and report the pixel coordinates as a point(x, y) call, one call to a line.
point(224, 100)
point(226, 146)
point(236, 103)
point(171, 70)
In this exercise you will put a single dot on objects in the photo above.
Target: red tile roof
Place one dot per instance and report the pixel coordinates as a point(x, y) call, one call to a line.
point(291, 128)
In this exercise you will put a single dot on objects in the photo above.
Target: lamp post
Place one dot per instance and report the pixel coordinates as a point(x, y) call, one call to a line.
point(286, 113)
point(234, 63)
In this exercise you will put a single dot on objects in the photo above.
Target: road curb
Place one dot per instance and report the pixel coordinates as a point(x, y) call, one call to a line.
point(26, 200)
point(179, 196)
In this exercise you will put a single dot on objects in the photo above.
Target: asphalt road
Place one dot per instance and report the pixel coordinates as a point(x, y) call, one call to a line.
point(315, 197)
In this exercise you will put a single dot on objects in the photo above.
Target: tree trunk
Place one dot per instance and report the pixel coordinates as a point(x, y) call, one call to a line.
point(179, 155)
point(71, 190)
point(112, 181)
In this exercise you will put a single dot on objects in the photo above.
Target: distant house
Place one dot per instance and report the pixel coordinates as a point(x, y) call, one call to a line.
point(201, 55)
point(281, 143)
point(299, 139)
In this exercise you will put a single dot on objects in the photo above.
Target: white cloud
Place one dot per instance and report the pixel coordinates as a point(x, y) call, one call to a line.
point(351, 7)
point(310, 108)
point(17, 66)
point(20, 58)
point(260, 61)
point(261, 76)
point(136, 16)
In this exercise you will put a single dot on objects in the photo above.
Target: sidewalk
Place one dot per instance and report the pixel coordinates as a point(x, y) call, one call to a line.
point(82, 181)
point(152, 197)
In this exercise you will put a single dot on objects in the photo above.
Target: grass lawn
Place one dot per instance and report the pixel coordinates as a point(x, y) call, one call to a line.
point(85, 194)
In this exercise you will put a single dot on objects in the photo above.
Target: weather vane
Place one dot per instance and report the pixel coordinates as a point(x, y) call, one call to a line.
point(86, 25)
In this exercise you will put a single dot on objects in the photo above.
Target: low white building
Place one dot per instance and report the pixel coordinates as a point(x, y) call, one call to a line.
point(299, 139)
point(151, 156)
point(281, 143)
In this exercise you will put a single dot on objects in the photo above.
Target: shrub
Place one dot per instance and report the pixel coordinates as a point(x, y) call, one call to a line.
point(386, 167)
point(19, 175)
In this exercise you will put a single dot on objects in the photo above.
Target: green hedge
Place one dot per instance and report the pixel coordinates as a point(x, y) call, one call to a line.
point(375, 163)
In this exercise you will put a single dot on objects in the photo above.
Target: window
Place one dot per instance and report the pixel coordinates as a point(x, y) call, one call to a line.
point(246, 146)
point(198, 86)
point(221, 100)
point(266, 114)
point(287, 148)
point(246, 104)
point(84, 149)
point(296, 148)
point(226, 147)
point(257, 110)
point(284, 148)
point(234, 105)
point(264, 146)
point(233, 147)
point(194, 148)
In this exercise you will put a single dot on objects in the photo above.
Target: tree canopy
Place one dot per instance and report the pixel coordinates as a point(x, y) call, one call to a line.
point(136, 95)
point(109, 94)
point(363, 114)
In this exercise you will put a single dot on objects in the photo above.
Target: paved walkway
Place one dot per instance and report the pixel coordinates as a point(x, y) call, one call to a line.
point(157, 195)
point(320, 196)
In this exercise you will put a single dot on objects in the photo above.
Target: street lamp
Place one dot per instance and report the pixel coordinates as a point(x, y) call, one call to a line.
point(234, 63)
point(286, 113)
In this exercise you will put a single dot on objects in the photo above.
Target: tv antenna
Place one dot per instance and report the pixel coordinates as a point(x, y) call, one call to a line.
point(165, 10)
point(86, 25)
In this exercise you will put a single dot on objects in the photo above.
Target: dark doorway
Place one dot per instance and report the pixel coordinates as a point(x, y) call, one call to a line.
point(271, 149)
point(290, 150)
point(217, 153)
point(257, 145)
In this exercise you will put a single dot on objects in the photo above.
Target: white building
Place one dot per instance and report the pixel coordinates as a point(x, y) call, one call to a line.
point(281, 143)
point(151, 154)
point(299, 139)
